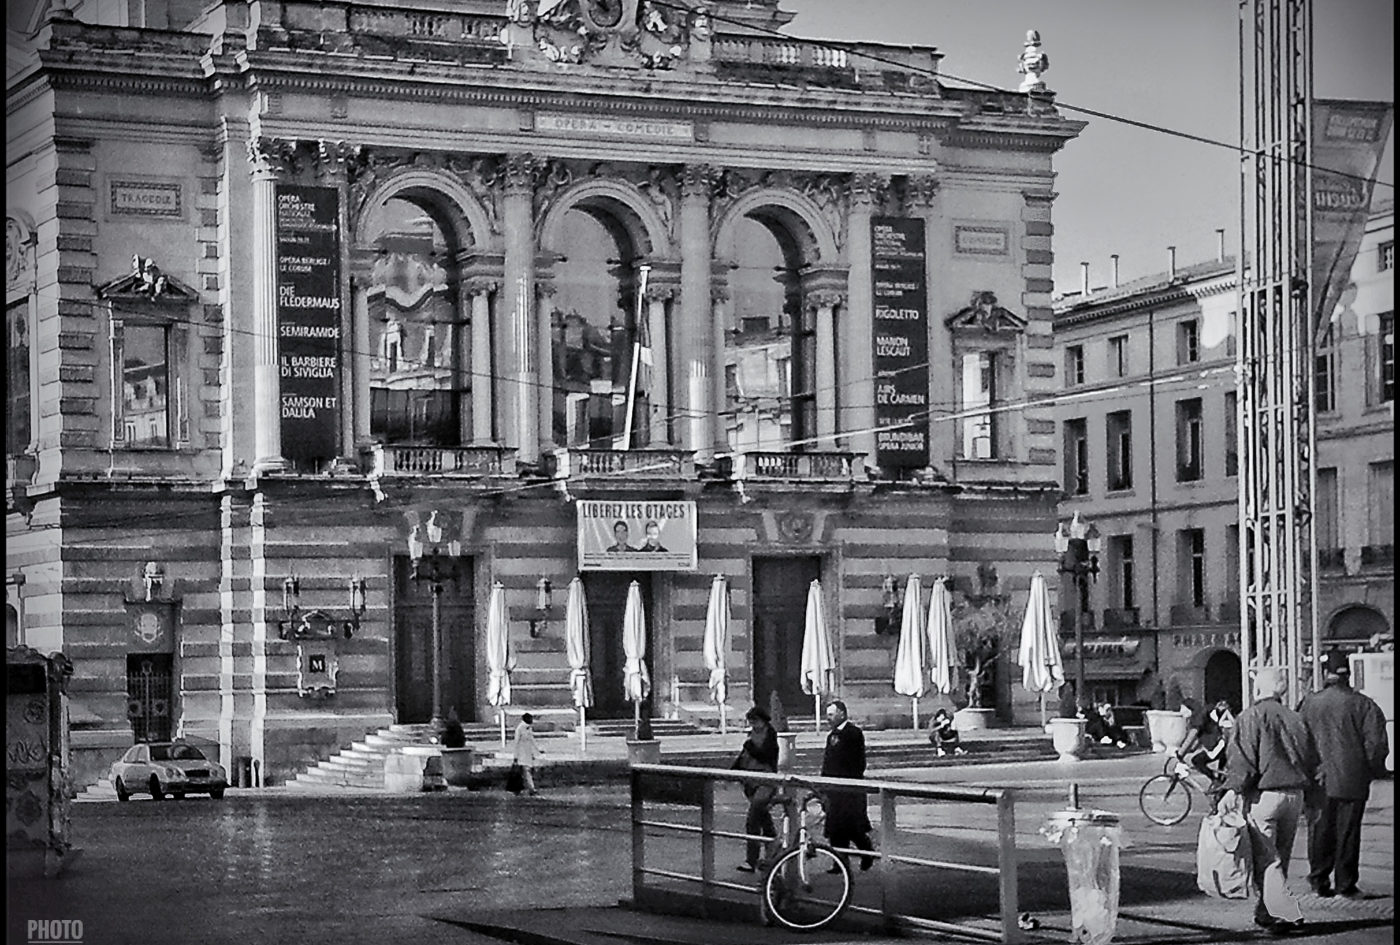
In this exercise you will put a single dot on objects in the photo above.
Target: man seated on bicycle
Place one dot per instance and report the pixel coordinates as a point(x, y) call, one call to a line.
point(1206, 735)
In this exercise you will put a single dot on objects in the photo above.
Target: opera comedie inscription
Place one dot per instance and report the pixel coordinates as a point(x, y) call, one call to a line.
point(308, 319)
point(901, 342)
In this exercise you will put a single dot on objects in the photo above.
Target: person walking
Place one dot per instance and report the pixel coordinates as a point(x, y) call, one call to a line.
point(526, 752)
point(1349, 730)
point(847, 823)
point(1271, 762)
point(760, 753)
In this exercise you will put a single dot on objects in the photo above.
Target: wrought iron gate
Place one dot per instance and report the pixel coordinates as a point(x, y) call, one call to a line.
point(148, 693)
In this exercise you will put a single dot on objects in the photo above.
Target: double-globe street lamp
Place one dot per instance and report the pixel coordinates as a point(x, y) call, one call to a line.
point(436, 562)
point(1078, 546)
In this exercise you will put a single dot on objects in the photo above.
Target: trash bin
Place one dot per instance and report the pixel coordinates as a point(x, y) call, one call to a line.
point(1090, 841)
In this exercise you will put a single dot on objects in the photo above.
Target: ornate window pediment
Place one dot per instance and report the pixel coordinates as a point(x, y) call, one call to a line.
point(985, 315)
point(146, 283)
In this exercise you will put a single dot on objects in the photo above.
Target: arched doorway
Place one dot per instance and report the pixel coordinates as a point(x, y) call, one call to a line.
point(1223, 680)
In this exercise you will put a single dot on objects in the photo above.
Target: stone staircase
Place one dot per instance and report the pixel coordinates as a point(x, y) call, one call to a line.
point(362, 764)
point(624, 728)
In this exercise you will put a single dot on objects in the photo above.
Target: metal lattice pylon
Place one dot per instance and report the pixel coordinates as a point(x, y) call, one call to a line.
point(1274, 361)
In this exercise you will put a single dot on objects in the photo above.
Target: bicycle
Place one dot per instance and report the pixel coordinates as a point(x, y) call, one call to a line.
point(807, 884)
point(1166, 798)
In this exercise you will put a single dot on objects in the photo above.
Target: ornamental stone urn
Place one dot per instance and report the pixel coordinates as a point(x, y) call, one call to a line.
point(1067, 737)
point(1166, 728)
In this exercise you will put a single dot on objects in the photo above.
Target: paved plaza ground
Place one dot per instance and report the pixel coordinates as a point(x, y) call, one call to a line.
point(483, 867)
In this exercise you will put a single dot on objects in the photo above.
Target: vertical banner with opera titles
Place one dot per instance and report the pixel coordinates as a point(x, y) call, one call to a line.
point(308, 319)
point(901, 342)
point(1348, 139)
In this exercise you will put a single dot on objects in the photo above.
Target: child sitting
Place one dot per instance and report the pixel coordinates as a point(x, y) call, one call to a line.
point(941, 732)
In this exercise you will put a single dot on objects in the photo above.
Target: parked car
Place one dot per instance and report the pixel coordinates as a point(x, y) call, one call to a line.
point(161, 768)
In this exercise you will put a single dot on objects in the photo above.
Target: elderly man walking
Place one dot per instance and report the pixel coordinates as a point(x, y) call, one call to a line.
point(1349, 730)
point(1272, 761)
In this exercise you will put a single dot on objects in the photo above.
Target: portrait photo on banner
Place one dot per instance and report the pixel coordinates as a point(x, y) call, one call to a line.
point(636, 536)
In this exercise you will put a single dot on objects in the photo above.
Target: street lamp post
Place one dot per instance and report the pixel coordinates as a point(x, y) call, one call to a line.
point(431, 564)
point(1078, 547)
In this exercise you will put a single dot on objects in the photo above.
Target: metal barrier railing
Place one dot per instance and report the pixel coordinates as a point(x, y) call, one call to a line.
point(694, 786)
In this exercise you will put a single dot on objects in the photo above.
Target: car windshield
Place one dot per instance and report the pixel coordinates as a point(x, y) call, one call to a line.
point(176, 753)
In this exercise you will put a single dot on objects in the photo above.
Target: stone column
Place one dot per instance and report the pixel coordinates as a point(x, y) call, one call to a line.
point(719, 321)
point(857, 354)
point(268, 158)
point(519, 359)
point(658, 395)
point(332, 158)
point(361, 357)
point(544, 392)
point(696, 341)
point(479, 362)
point(825, 302)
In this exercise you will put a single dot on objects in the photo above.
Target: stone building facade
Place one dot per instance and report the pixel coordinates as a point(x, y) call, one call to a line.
point(1149, 456)
point(296, 290)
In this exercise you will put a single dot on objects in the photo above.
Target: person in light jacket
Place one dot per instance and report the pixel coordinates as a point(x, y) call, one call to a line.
point(526, 751)
point(1272, 761)
point(1349, 730)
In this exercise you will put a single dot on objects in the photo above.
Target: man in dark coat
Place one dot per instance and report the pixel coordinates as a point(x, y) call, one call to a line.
point(1272, 764)
point(847, 824)
point(1349, 730)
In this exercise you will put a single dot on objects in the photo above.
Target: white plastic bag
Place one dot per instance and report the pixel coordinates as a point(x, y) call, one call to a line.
point(1224, 856)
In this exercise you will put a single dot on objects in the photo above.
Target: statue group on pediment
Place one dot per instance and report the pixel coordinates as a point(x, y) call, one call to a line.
point(575, 31)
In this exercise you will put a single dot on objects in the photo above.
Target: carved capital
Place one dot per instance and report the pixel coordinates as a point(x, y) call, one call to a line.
point(699, 180)
point(922, 189)
point(545, 289)
point(661, 293)
point(273, 156)
point(481, 286)
point(719, 294)
point(519, 173)
point(334, 159)
point(868, 189)
point(824, 298)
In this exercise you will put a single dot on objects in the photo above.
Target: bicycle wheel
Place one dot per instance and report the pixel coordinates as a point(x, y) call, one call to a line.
point(1165, 799)
point(806, 889)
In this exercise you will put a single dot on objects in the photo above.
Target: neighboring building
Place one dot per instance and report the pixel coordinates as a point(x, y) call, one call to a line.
point(1148, 421)
point(413, 274)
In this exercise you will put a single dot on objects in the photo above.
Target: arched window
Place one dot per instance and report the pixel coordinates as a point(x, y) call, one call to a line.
point(595, 333)
point(770, 344)
point(418, 387)
point(1357, 623)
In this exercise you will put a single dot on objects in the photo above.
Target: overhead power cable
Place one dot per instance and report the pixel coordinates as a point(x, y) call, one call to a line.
point(855, 49)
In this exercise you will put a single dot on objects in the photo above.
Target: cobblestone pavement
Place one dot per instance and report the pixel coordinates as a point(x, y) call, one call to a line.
point(271, 866)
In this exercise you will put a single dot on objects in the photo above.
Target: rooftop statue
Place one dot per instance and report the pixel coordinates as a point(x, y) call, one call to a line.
point(1032, 64)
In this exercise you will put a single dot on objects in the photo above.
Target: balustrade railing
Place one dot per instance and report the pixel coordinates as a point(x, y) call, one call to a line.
point(464, 461)
point(830, 467)
point(624, 465)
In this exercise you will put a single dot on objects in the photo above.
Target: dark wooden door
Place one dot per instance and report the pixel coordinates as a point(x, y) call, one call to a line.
point(606, 593)
point(779, 617)
point(413, 638)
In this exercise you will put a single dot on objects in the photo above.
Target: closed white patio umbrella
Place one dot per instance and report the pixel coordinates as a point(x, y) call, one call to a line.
point(1042, 667)
point(818, 664)
point(909, 654)
point(942, 648)
point(576, 644)
point(636, 681)
point(716, 644)
point(500, 659)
